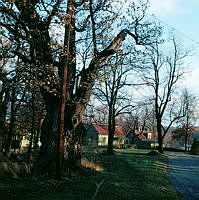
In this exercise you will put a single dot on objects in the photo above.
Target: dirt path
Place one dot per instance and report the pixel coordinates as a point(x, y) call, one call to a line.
point(184, 174)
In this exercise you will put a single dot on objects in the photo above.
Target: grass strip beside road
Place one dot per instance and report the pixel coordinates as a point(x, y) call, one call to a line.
point(127, 175)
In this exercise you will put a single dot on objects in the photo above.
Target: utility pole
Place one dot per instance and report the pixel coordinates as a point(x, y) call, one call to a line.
point(64, 89)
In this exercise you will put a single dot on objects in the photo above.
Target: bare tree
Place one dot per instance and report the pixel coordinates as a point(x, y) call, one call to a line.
point(166, 70)
point(110, 91)
point(12, 94)
point(186, 124)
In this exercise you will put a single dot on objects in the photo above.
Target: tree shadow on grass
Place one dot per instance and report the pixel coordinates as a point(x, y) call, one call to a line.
point(126, 176)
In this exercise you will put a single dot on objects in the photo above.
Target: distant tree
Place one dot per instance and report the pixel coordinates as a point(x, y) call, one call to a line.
point(12, 94)
point(195, 147)
point(110, 91)
point(96, 114)
point(15, 81)
point(186, 123)
point(141, 117)
point(165, 69)
point(4, 89)
point(17, 96)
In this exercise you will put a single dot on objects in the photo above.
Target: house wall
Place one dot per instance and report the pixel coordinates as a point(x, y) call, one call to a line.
point(144, 144)
point(120, 140)
point(141, 144)
point(130, 137)
point(25, 142)
point(102, 140)
point(91, 137)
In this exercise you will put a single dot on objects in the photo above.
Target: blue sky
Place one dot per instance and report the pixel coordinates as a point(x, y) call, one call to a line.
point(183, 16)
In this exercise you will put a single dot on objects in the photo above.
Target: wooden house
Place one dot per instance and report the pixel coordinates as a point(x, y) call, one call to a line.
point(143, 139)
point(97, 135)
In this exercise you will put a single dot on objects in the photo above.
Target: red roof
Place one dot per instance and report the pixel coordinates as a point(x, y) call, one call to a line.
point(143, 137)
point(103, 130)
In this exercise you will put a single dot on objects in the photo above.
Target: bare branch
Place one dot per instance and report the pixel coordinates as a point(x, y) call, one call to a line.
point(98, 185)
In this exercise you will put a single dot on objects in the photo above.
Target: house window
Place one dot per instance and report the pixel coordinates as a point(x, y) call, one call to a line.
point(149, 135)
point(104, 140)
point(90, 140)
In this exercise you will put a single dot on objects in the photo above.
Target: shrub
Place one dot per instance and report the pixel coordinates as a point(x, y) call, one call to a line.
point(153, 153)
point(131, 146)
point(195, 147)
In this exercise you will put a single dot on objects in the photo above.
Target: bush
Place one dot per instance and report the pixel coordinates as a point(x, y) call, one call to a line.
point(153, 153)
point(195, 147)
point(131, 146)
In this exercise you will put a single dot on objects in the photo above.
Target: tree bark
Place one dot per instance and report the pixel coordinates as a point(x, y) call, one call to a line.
point(32, 125)
point(111, 130)
point(46, 160)
point(186, 137)
point(74, 132)
point(160, 137)
point(12, 121)
point(160, 145)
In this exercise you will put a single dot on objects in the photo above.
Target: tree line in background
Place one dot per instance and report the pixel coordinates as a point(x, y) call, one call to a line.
point(57, 54)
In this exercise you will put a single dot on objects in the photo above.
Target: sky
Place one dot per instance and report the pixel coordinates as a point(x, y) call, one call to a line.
point(183, 17)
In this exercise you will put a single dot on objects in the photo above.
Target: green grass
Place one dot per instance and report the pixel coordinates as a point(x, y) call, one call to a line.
point(127, 175)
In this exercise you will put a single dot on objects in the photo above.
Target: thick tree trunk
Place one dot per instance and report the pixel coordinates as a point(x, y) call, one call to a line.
point(111, 130)
point(186, 140)
point(73, 135)
point(160, 138)
point(12, 121)
point(36, 136)
point(46, 161)
point(72, 154)
point(160, 145)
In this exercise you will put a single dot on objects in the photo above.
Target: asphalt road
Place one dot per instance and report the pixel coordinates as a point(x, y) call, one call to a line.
point(184, 174)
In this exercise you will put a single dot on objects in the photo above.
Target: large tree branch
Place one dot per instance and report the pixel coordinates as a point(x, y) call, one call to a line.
point(88, 76)
point(171, 122)
point(93, 27)
point(120, 111)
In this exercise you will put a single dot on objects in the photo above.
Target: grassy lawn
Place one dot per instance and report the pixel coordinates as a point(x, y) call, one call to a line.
point(127, 175)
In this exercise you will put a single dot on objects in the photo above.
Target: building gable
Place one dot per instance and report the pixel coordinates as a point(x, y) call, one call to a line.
point(103, 130)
